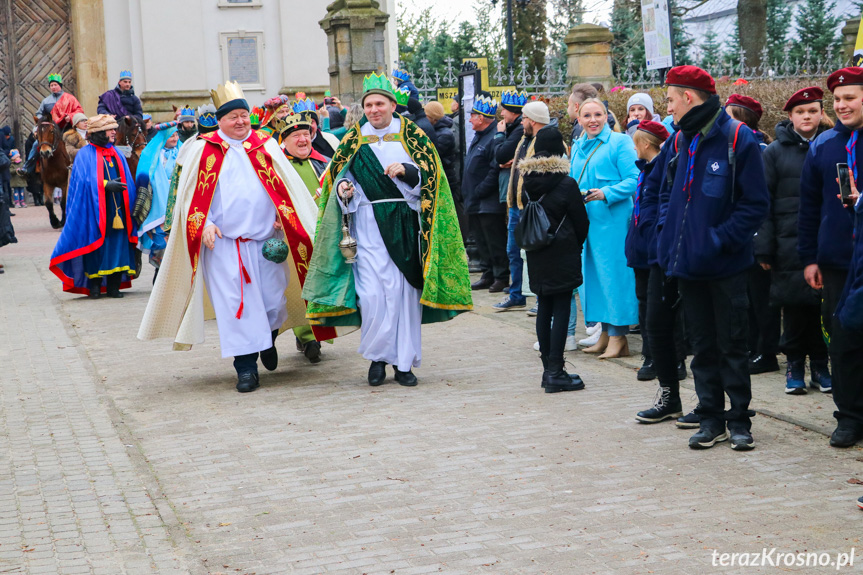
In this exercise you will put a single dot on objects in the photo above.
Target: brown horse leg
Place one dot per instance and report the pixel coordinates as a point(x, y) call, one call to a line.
point(48, 195)
point(63, 205)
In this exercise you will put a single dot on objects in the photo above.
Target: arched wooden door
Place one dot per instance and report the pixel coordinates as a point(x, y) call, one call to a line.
point(35, 40)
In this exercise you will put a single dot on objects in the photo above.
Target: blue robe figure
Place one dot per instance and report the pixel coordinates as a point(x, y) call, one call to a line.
point(155, 169)
point(608, 292)
point(96, 250)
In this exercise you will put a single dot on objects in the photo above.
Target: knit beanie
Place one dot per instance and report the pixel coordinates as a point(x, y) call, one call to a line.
point(641, 99)
point(434, 111)
point(536, 111)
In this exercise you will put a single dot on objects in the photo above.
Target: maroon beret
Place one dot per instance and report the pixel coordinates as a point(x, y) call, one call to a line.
point(804, 96)
point(655, 128)
point(691, 77)
point(845, 77)
point(742, 101)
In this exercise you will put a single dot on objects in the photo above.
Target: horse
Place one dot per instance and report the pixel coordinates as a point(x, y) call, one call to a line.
point(131, 140)
point(54, 165)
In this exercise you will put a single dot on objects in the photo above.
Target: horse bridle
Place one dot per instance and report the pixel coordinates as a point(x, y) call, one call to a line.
point(57, 137)
point(131, 139)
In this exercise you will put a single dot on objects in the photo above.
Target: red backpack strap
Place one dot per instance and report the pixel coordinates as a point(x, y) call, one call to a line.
point(676, 137)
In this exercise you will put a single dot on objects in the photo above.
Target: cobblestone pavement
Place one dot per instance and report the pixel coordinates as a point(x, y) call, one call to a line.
point(119, 456)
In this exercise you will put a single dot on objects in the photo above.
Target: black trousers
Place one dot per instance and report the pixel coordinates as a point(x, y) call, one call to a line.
point(765, 320)
point(717, 318)
point(642, 277)
point(665, 328)
point(552, 320)
point(248, 363)
point(846, 352)
point(802, 335)
point(489, 231)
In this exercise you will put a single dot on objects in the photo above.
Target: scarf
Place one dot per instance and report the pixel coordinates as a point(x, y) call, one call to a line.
point(698, 117)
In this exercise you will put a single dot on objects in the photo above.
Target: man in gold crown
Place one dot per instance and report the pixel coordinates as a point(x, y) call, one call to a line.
point(237, 192)
point(410, 264)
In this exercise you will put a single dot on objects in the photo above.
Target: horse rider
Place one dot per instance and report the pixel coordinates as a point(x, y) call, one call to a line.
point(61, 107)
point(75, 137)
point(121, 101)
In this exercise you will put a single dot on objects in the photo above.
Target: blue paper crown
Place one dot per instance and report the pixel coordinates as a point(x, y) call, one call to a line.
point(126, 75)
point(207, 116)
point(485, 106)
point(401, 75)
point(307, 105)
point(514, 98)
point(187, 111)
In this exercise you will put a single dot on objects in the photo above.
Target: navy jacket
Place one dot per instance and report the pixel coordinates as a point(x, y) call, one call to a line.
point(640, 235)
point(707, 232)
point(479, 184)
point(850, 308)
point(824, 226)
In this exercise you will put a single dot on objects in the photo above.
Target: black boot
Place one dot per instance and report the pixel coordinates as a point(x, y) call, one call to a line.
point(113, 288)
point(558, 380)
point(666, 406)
point(95, 285)
point(377, 373)
point(270, 356)
point(647, 371)
point(544, 360)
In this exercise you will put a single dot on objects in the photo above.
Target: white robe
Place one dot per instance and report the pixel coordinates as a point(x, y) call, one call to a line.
point(243, 210)
point(389, 306)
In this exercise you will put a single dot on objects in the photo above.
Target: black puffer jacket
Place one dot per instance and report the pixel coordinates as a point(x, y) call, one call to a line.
point(446, 149)
point(776, 242)
point(556, 268)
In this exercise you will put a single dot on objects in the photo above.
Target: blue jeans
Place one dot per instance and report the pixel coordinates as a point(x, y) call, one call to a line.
point(513, 252)
point(573, 315)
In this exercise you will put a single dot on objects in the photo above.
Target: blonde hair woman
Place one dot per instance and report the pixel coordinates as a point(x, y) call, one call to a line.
point(603, 164)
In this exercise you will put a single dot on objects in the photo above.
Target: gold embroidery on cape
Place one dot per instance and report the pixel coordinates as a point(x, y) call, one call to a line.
point(370, 139)
point(207, 176)
point(194, 222)
point(247, 145)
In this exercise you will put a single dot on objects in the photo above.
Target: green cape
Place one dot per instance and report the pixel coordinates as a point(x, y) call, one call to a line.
point(329, 287)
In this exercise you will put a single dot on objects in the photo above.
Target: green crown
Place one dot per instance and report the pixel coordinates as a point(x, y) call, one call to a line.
point(402, 96)
point(378, 82)
point(55, 78)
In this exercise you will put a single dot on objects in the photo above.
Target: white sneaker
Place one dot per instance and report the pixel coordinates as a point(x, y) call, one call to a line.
point(570, 343)
point(536, 346)
point(595, 328)
point(591, 339)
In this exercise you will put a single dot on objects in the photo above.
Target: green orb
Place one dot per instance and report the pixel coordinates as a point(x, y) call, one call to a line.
point(275, 250)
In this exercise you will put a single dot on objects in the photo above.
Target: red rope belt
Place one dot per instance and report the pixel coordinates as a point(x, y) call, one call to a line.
point(245, 279)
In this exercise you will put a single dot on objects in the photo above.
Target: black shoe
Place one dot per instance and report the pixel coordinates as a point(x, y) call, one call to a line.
point(113, 286)
point(707, 437)
point(664, 407)
point(312, 351)
point(558, 380)
point(689, 421)
point(497, 286)
point(763, 364)
point(647, 372)
point(741, 440)
point(377, 373)
point(406, 378)
point(845, 436)
point(681, 370)
point(247, 381)
point(635, 330)
point(95, 286)
point(481, 283)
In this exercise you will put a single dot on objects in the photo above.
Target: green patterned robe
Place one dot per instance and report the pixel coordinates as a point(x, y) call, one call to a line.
point(329, 286)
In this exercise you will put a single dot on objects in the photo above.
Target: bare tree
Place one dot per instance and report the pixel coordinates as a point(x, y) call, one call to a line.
point(752, 21)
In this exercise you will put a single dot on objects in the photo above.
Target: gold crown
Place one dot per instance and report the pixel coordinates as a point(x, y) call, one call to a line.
point(226, 92)
point(300, 121)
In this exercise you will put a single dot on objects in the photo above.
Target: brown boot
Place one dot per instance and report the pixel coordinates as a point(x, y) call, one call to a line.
point(617, 347)
point(599, 346)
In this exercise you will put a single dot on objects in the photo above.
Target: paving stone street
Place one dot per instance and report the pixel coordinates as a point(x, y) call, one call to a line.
point(122, 457)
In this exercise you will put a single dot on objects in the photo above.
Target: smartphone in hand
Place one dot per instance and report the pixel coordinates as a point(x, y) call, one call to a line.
point(844, 176)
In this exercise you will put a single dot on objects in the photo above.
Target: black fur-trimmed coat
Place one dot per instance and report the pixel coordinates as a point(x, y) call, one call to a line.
point(557, 267)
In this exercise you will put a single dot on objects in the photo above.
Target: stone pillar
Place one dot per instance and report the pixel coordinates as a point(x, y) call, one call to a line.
point(849, 37)
point(91, 62)
point(355, 40)
point(588, 54)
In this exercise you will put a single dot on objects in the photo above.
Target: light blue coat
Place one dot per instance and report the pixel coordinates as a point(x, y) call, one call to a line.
point(608, 293)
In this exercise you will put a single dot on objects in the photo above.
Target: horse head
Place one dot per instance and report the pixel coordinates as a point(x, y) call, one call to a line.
point(47, 136)
point(131, 133)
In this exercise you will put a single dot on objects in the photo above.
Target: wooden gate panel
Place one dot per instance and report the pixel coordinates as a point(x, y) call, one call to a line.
point(43, 46)
point(5, 71)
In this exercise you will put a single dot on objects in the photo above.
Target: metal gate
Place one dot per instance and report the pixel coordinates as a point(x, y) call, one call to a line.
point(35, 40)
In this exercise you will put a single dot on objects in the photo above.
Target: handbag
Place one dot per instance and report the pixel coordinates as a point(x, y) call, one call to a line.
point(143, 204)
point(533, 230)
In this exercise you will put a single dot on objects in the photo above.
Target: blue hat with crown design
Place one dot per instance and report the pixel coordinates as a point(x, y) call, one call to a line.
point(401, 75)
point(187, 114)
point(513, 100)
point(485, 107)
point(126, 75)
point(207, 121)
point(303, 105)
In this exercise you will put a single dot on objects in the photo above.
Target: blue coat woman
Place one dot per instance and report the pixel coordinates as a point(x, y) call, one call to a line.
point(603, 164)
